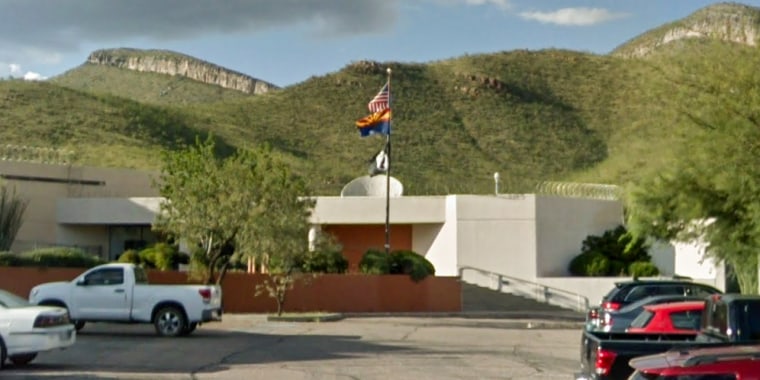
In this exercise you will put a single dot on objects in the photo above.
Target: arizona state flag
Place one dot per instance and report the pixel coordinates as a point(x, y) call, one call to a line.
point(377, 123)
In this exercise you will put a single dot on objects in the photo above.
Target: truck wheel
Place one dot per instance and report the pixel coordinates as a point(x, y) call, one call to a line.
point(23, 359)
point(3, 353)
point(78, 325)
point(170, 321)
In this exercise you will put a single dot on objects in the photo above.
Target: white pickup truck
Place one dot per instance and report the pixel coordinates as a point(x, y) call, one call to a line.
point(121, 293)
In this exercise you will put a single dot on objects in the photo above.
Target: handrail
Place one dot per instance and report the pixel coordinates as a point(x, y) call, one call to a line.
point(543, 292)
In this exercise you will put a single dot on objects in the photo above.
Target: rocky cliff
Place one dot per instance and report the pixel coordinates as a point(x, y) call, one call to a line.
point(171, 63)
point(729, 22)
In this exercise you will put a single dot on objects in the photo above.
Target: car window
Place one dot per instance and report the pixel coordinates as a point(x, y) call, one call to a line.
point(642, 319)
point(105, 276)
point(701, 291)
point(749, 313)
point(686, 320)
point(9, 300)
point(717, 318)
point(672, 290)
point(640, 292)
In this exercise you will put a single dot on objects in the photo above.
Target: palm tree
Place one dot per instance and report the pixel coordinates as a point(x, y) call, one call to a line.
point(12, 209)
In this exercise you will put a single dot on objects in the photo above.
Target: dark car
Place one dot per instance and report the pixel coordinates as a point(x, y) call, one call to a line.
point(620, 320)
point(724, 363)
point(628, 292)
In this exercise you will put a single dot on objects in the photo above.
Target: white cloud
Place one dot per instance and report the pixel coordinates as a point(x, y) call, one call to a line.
point(14, 69)
point(30, 75)
point(574, 16)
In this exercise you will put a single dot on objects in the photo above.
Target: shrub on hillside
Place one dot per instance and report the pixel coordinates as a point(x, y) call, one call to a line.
point(60, 257)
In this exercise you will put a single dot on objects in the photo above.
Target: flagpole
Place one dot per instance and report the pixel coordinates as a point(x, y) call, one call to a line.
point(388, 174)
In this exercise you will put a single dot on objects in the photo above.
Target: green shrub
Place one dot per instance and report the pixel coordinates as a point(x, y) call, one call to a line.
point(375, 262)
point(590, 264)
point(398, 262)
point(412, 264)
point(323, 262)
point(8, 259)
point(643, 269)
point(61, 257)
point(130, 256)
point(161, 256)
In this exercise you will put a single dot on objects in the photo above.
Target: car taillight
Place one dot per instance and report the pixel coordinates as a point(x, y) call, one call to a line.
point(604, 361)
point(51, 320)
point(205, 295)
point(593, 314)
point(611, 305)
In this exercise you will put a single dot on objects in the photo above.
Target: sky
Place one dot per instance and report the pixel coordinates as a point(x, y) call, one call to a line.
point(285, 42)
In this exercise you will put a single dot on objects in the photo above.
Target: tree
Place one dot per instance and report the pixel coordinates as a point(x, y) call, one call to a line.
point(711, 191)
point(12, 209)
point(249, 204)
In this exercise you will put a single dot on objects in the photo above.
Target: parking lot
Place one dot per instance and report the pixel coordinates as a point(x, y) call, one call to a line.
point(249, 347)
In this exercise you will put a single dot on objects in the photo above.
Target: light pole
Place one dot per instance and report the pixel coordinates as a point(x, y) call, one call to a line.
point(496, 183)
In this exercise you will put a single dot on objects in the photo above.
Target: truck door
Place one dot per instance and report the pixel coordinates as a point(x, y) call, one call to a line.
point(102, 295)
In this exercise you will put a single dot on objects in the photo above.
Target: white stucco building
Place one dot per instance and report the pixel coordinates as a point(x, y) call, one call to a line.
point(517, 243)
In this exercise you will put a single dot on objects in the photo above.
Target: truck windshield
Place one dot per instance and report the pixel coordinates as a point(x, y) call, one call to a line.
point(140, 276)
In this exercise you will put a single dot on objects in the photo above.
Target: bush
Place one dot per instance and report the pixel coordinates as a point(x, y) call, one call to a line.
point(8, 259)
point(609, 254)
point(412, 264)
point(590, 264)
point(643, 269)
point(60, 257)
point(398, 262)
point(375, 262)
point(323, 262)
point(161, 256)
point(130, 256)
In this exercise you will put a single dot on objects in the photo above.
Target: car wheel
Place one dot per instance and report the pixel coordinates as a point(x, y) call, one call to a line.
point(170, 321)
point(3, 353)
point(23, 359)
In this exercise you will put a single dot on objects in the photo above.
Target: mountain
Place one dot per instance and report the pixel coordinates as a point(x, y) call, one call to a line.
point(549, 115)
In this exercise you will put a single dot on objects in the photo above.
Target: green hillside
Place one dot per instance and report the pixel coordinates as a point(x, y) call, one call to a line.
point(530, 115)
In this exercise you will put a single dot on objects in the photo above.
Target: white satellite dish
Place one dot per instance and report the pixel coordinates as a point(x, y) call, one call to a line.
point(374, 186)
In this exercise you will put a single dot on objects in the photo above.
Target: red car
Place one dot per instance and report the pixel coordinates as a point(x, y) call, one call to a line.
point(669, 318)
point(723, 363)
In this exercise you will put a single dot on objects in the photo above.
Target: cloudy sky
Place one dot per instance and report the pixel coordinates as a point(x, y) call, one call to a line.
point(288, 41)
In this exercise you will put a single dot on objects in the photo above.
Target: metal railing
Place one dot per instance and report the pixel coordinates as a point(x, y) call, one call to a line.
point(529, 289)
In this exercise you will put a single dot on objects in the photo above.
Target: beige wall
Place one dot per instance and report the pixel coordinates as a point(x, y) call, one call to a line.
point(44, 184)
point(563, 223)
point(497, 233)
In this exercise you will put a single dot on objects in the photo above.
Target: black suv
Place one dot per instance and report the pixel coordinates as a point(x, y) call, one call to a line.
point(627, 292)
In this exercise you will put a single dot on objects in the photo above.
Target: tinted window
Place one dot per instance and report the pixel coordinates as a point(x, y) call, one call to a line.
point(642, 319)
point(717, 318)
point(105, 276)
point(640, 292)
point(701, 291)
point(672, 290)
point(686, 320)
point(750, 323)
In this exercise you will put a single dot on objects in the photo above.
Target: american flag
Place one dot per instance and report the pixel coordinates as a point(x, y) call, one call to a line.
point(381, 101)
